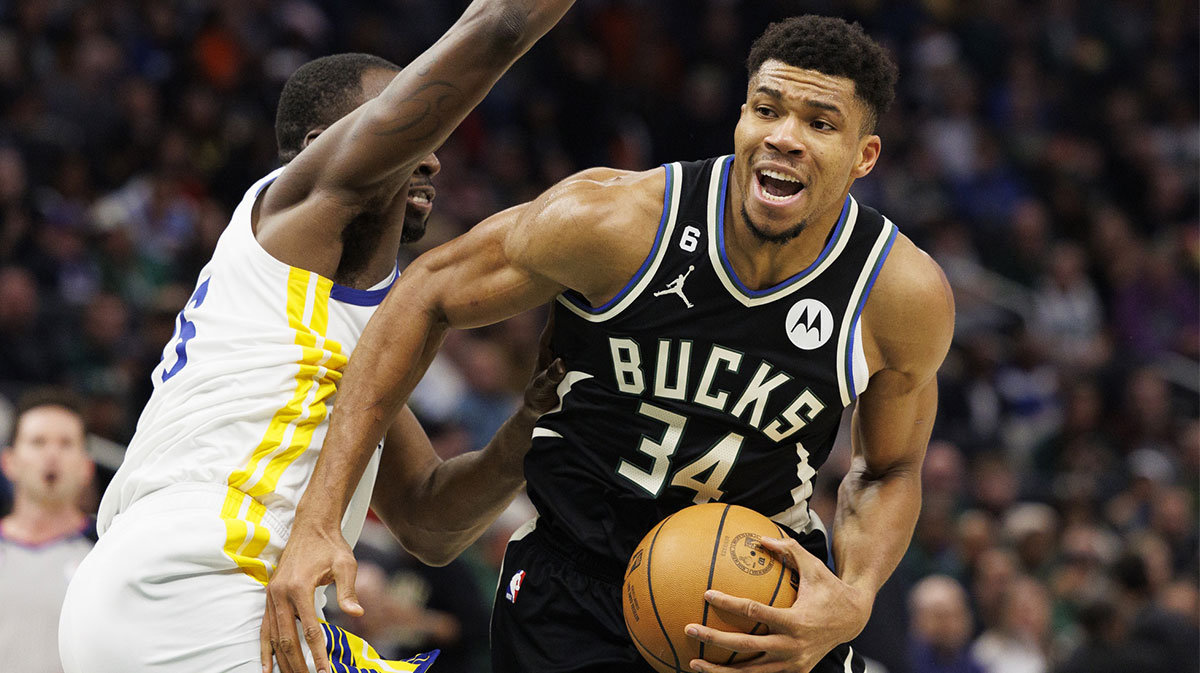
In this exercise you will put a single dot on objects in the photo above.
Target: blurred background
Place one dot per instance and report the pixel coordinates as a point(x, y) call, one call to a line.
point(1045, 153)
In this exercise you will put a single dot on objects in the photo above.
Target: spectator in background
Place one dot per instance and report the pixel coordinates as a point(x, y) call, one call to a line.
point(47, 534)
point(1068, 314)
point(1166, 642)
point(1019, 642)
point(1158, 310)
point(1078, 580)
point(30, 353)
point(1031, 529)
point(941, 628)
point(1104, 649)
point(991, 578)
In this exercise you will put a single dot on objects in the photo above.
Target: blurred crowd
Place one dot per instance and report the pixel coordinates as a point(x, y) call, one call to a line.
point(1045, 152)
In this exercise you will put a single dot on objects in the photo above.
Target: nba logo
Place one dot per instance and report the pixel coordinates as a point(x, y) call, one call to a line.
point(514, 586)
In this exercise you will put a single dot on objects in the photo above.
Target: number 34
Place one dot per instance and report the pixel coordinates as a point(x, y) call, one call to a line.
point(717, 461)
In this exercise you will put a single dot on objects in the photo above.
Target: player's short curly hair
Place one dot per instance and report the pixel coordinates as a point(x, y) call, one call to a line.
point(319, 93)
point(834, 47)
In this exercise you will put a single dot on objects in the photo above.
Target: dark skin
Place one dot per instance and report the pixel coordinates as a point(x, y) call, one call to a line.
point(339, 209)
point(590, 233)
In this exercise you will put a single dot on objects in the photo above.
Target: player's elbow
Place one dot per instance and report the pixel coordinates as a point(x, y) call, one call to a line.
point(505, 30)
point(865, 475)
point(430, 549)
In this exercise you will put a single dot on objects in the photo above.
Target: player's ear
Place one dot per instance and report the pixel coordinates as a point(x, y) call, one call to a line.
point(312, 135)
point(869, 149)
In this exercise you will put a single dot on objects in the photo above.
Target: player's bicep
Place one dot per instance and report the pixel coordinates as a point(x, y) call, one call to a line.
point(575, 235)
point(479, 278)
point(588, 233)
point(892, 422)
point(911, 320)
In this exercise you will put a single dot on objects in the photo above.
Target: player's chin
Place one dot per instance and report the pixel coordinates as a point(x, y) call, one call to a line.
point(414, 227)
point(774, 230)
point(774, 215)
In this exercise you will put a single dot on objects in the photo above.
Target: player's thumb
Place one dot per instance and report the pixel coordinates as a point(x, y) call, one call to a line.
point(345, 571)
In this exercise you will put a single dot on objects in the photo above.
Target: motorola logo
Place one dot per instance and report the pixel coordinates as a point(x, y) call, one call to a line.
point(809, 324)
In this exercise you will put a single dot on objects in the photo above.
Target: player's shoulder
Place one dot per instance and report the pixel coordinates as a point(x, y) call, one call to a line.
point(910, 312)
point(612, 194)
point(910, 275)
point(591, 231)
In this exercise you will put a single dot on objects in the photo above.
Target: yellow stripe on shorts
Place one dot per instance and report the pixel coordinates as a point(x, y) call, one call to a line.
point(319, 370)
point(350, 654)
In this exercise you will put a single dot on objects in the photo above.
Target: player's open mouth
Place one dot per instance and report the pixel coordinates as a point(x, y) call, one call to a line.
point(421, 198)
point(776, 187)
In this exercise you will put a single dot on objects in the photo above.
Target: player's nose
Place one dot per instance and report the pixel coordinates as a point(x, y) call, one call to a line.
point(430, 165)
point(785, 137)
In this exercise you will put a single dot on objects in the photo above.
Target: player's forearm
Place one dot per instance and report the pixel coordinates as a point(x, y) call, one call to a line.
point(387, 363)
point(523, 22)
point(874, 523)
point(462, 496)
point(415, 114)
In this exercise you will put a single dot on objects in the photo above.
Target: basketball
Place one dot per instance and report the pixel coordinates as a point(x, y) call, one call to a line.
point(710, 546)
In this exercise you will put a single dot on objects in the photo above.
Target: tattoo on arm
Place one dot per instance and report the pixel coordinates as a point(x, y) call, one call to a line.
point(420, 115)
point(428, 67)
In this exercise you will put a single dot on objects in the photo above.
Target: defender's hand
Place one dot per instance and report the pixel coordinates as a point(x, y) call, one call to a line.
point(827, 613)
point(311, 558)
point(541, 394)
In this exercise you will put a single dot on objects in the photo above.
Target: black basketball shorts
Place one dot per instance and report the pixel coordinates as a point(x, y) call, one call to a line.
point(555, 612)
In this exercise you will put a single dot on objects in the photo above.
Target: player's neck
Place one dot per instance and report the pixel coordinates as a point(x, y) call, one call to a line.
point(761, 264)
point(34, 523)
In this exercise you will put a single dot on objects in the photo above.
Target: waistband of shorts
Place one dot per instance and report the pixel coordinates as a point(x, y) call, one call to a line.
point(603, 568)
point(203, 497)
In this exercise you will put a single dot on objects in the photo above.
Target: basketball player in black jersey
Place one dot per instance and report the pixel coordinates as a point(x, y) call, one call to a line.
point(715, 317)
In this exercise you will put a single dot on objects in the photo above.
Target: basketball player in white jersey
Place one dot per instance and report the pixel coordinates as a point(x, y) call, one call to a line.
point(797, 302)
point(192, 524)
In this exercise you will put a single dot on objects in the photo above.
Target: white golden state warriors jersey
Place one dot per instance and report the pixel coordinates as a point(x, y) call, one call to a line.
point(244, 390)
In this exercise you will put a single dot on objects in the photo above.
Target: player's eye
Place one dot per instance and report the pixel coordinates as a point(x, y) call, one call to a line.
point(822, 125)
point(764, 111)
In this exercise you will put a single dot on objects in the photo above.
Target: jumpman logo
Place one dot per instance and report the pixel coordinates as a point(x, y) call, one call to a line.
point(676, 287)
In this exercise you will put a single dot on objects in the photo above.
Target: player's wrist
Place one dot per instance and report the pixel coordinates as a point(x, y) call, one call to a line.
point(858, 602)
point(317, 517)
point(526, 417)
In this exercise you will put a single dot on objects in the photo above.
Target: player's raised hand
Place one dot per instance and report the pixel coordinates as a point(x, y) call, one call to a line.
point(312, 558)
point(827, 612)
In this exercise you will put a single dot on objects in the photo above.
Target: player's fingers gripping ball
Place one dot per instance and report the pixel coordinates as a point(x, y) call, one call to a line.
point(710, 546)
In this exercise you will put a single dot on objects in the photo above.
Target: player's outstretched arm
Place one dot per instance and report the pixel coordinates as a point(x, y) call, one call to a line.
point(364, 155)
point(908, 325)
point(575, 235)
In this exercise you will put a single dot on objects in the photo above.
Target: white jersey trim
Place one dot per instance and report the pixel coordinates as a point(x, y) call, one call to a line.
point(799, 517)
point(852, 382)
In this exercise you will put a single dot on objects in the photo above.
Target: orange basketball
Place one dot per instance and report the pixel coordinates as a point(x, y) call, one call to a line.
point(710, 546)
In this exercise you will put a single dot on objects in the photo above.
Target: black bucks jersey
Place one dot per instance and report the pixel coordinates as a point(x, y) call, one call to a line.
point(689, 387)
